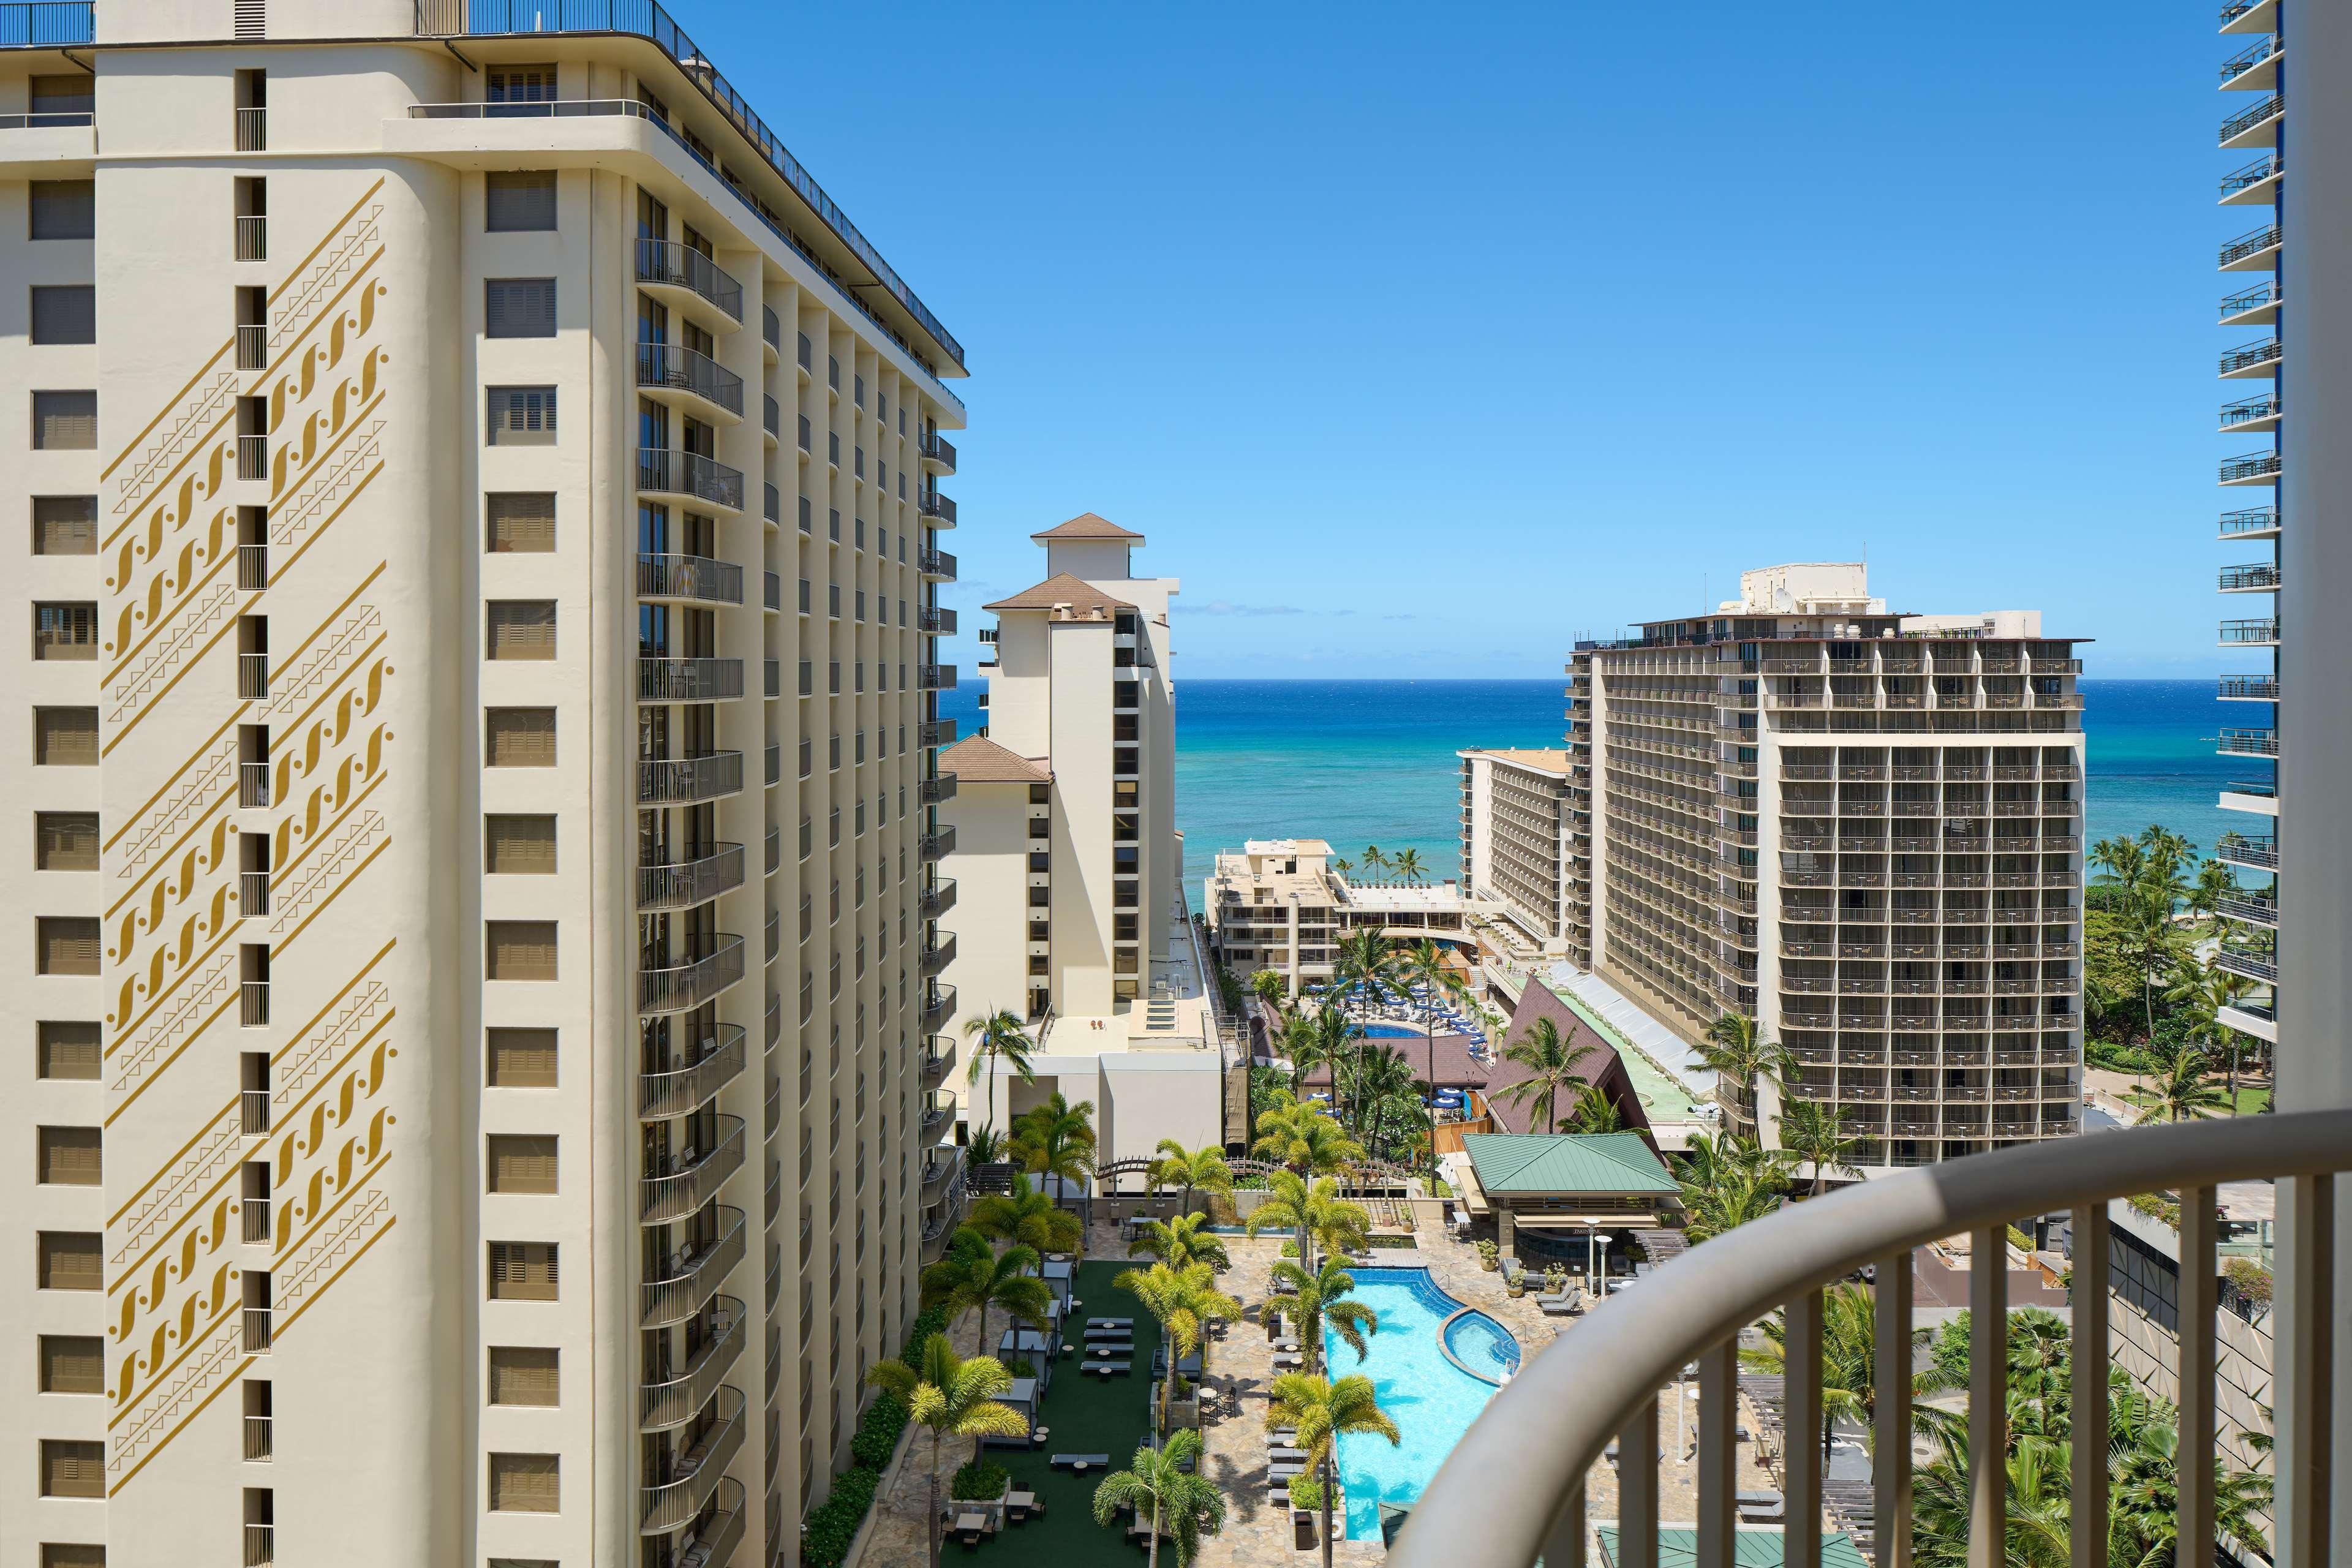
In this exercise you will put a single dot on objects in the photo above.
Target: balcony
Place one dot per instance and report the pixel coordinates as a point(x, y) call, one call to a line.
point(692, 1179)
point(693, 1276)
point(664, 472)
point(937, 507)
point(692, 577)
point(935, 678)
point(2264, 633)
point(676, 1401)
point(938, 452)
point(1512, 1489)
point(935, 845)
point(2258, 577)
point(2251, 469)
point(2253, 908)
point(936, 566)
point(940, 1166)
point(937, 898)
point(2256, 127)
point(2249, 689)
point(681, 276)
point(938, 954)
point(2260, 852)
point(2255, 67)
point(2251, 523)
point(682, 884)
point(720, 1531)
point(701, 1472)
point(934, 621)
point(2250, 962)
point(662, 1095)
point(692, 381)
point(2255, 307)
point(2260, 412)
point(939, 1110)
point(681, 986)
point(938, 1061)
point(939, 1006)
point(688, 680)
point(689, 780)
point(2257, 357)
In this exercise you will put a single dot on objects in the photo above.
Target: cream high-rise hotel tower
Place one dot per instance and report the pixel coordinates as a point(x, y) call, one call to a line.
point(475, 514)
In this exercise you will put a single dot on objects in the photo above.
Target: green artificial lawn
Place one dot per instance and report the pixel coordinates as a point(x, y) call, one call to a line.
point(1088, 1416)
point(2252, 1100)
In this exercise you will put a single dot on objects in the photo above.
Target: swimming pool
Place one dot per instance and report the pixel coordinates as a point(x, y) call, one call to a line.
point(1432, 1401)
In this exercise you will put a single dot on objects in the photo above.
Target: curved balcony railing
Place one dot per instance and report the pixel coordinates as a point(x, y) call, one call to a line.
point(686, 781)
point(935, 845)
point(940, 1166)
point(1513, 1489)
point(940, 452)
point(691, 1181)
point(666, 264)
point(662, 1095)
point(936, 565)
point(936, 732)
point(939, 1060)
point(670, 368)
point(694, 1277)
point(682, 884)
point(936, 507)
point(689, 577)
point(674, 1403)
point(688, 680)
point(933, 791)
point(661, 470)
point(939, 1006)
point(700, 1472)
point(689, 983)
point(939, 1108)
point(933, 620)
point(938, 898)
point(938, 955)
point(717, 1533)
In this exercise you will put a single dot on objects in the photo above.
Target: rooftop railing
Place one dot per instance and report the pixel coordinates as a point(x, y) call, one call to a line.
point(1513, 1490)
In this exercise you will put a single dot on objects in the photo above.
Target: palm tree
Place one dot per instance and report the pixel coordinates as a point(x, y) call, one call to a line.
point(1165, 1481)
point(2204, 991)
point(1321, 1410)
point(1383, 1093)
point(2215, 881)
point(1343, 866)
point(1337, 1036)
point(984, 1145)
point(1316, 1213)
point(951, 1397)
point(998, 1037)
point(1406, 864)
point(1185, 1300)
point(1272, 991)
point(1595, 1112)
point(2183, 1091)
point(1850, 1365)
point(1364, 959)
point(1026, 1217)
point(1194, 1170)
point(1304, 1138)
point(1735, 1049)
point(1551, 1063)
point(1186, 1239)
point(1727, 1181)
point(974, 1276)
point(1302, 1045)
point(1814, 1134)
point(1424, 965)
point(1056, 1139)
point(1319, 1301)
point(1374, 860)
point(2120, 861)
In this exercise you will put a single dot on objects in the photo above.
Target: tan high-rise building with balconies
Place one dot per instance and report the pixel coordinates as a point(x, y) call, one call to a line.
point(1862, 829)
point(475, 509)
point(1516, 842)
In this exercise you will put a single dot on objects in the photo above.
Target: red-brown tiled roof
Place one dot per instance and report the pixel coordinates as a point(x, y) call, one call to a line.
point(1060, 590)
point(1086, 525)
point(976, 759)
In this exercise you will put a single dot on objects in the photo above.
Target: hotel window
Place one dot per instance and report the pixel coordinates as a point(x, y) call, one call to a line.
point(519, 307)
point(56, 1556)
point(73, 1364)
point(524, 1375)
point(523, 1483)
point(72, 1469)
point(65, 421)
point(519, 200)
point(69, 1260)
point(518, 846)
point(522, 1271)
point(521, 1163)
point(522, 84)
point(521, 628)
point(521, 1058)
point(65, 313)
point(68, 1050)
point(519, 950)
point(70, 1157)
point(520, 522)
point(521, 416)
point(64, 525)
point(63, 209)
point(64, 841)
point(519, 738)
point(66, 944)
point(65, 631)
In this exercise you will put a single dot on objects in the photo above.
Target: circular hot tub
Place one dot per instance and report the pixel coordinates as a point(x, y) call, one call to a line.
point(1479, 1345)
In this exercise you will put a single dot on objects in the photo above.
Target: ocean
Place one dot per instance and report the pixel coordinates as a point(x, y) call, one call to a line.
point(1371, 762)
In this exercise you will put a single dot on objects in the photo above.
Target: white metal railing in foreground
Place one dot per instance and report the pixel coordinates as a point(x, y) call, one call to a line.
point(1513, 1490)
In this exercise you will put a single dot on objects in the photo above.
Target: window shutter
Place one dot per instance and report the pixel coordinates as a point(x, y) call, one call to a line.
point(65, 631)
point(519, 1058)
point(523, 1270)
point(522, 628)
point(522, 84)
point(521, 522)
point(68, 944)
point(521, 1163)
point(71, 1260)
point(68, 1049)
point(521, 738)
point(65, 421)
point(72, 1469)
point(65, 840)
point(64, 525)
point(72, 1157)
point(524, 1375)
point(519, 307)
point(522, 415)
point(523, 845)
point(519, 200)
point(523, 1483)
point(65, 737)
point(69, 94)
point(64, 209)
point(65, 313)
point(521, 949)
point(73, 1364)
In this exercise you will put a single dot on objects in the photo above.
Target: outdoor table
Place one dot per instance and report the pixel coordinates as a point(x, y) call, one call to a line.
point(1079, 1462)
point(969, 1527)
point(1018, 1504)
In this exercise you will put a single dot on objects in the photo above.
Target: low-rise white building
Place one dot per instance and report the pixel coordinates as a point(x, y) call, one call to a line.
point(1281, 904)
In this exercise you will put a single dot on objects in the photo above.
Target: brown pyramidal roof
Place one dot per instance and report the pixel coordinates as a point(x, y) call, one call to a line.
point(1061, 589)
point(975, 759)
point(1086, 525)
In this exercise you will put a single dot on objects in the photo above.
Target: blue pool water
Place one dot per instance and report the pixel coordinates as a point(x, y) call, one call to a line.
point(1432, 1401)
point(1391, 1032)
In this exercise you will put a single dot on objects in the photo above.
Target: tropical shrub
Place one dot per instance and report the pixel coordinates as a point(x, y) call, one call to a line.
point(979, 1479)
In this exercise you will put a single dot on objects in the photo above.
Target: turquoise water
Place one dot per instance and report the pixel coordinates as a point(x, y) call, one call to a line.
point(1432, 1401)
point(1371, 762)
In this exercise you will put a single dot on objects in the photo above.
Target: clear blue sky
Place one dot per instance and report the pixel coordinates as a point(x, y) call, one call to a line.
point(1423, 340)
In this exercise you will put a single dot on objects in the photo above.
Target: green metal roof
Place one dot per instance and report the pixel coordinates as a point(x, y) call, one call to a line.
point(1750, 1549)
point(1508, 1163)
